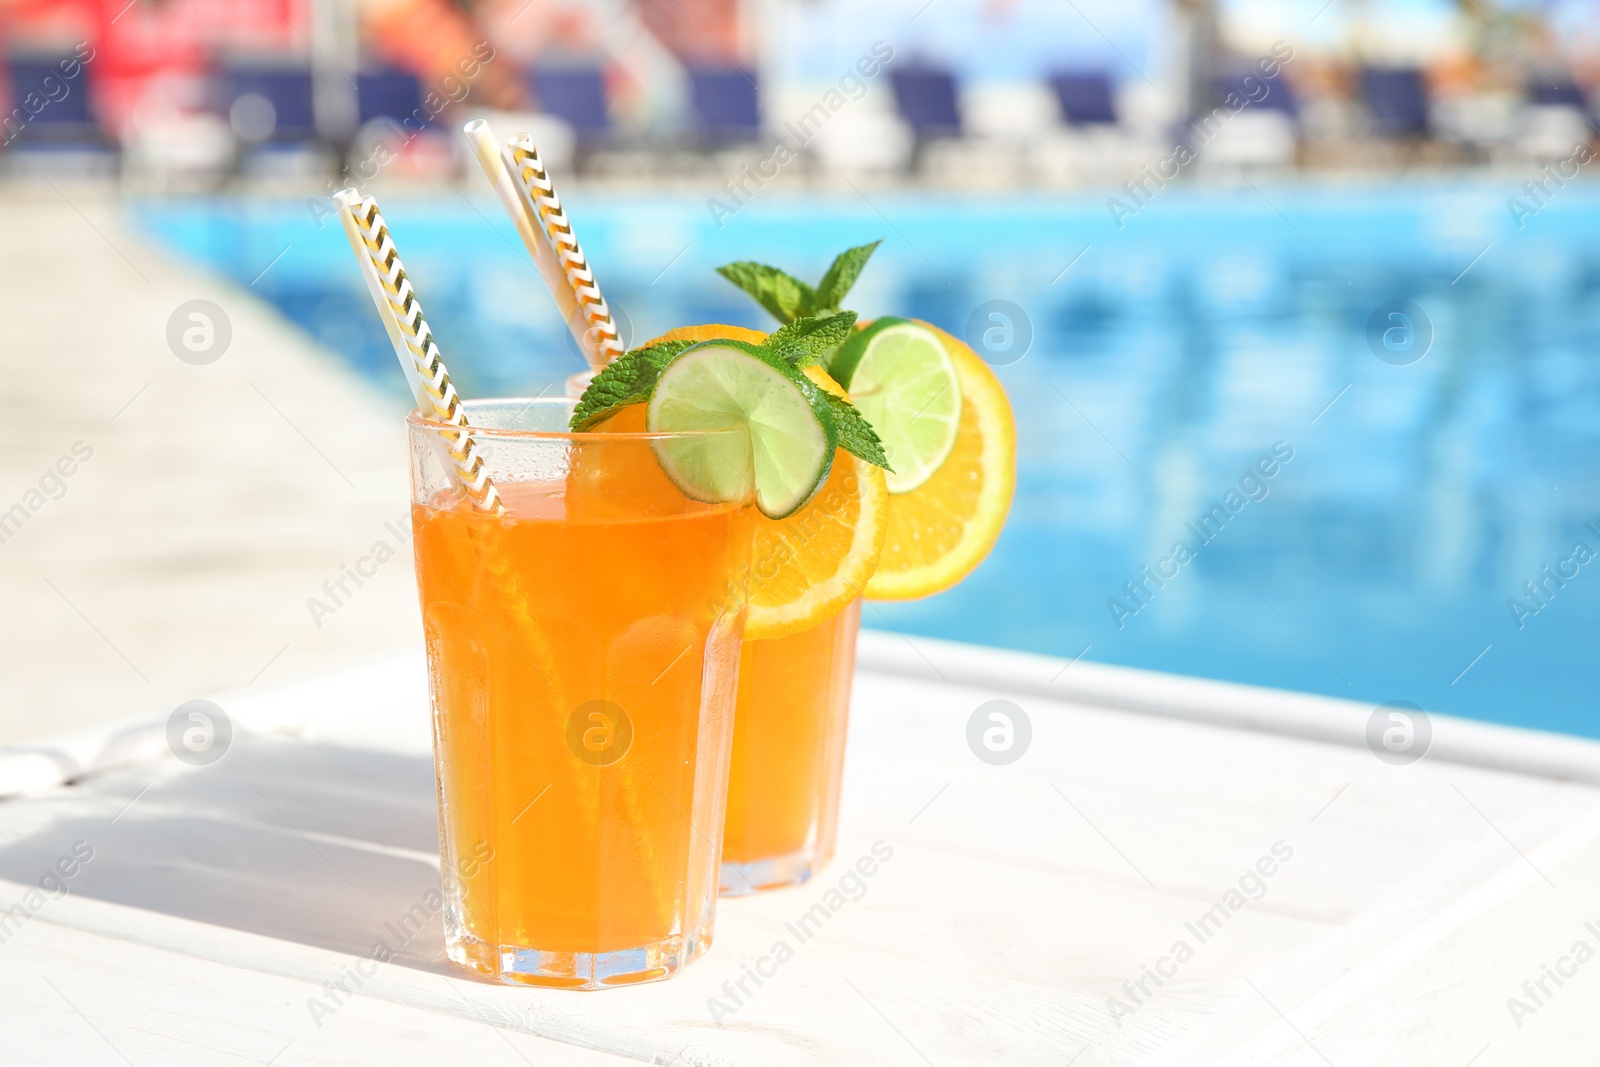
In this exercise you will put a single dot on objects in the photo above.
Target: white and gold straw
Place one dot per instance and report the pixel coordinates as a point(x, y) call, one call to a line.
point(492, 157)
point(413, 339)
point(600, 340)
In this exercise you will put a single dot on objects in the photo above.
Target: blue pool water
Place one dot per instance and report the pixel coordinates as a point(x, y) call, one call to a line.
point(1210, 333)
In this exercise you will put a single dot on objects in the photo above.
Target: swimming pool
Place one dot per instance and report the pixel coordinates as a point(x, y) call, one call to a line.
point(1215, 336)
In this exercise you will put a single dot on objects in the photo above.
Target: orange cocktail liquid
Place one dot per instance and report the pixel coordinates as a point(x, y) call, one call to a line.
point(583, 650)
point(788, 755)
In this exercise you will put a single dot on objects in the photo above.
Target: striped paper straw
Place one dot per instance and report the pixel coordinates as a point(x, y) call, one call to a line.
point(536, 185)
point(419, 357)
point(491, 156)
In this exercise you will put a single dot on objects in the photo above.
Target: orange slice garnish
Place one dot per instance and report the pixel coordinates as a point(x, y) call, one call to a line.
point(941, 530)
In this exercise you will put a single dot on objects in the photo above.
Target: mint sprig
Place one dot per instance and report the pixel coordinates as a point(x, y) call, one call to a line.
point(629, 379)
point(787, 297)
point(856, 435)
point(841, 275)
point(807, 340)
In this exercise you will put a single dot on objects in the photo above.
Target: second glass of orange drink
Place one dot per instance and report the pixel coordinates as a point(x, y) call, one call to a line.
point(797, 662)
point(904, 520)
point(788, 753)
point(794, 671)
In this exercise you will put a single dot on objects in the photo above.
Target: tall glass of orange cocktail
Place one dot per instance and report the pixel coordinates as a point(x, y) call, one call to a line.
point(583, 648)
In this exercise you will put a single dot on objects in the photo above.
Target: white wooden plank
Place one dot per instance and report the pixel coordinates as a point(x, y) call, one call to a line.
point(1018, 900)
point(68, 997)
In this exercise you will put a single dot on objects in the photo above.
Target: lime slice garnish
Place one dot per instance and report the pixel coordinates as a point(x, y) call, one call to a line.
point(902, 379)
point(720, 384)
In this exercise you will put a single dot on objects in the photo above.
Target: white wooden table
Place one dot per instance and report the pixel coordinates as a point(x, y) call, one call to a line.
point(221, 903)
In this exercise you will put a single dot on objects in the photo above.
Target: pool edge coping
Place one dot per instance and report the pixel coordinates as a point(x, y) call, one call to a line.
point(31, 767)
point(1233, 705)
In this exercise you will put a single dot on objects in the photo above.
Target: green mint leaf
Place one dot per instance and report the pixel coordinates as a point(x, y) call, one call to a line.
point(806, 341)
point(629, 379)
point(856, 434)
point(785, 296)
point(842, 275)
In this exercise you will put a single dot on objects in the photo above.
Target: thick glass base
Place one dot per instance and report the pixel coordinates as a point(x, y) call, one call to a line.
point(517, 965)
point(796, 868)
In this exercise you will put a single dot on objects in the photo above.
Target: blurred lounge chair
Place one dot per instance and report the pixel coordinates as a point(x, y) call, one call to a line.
point(577, 96)
point(1564, 93)
point(63, 133)
point(1400, 124)
point(1397, 102)
point(1087, 143)
point(1085, 98)
point(1265, 94)
point(727, 105)
point(388, 94)
point(1262, 135)
point(397, 131)
point(385, 100)
point(268, 104)
point(1554, 122)
point(286, 118)
point(926, 100)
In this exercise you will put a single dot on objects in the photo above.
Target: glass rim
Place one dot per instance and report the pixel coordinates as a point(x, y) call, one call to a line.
point(415, 417)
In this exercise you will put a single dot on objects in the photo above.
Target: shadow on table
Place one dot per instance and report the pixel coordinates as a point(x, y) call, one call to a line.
point(307, 842)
